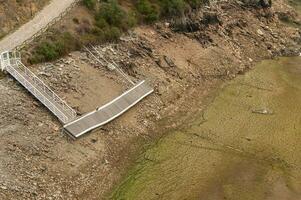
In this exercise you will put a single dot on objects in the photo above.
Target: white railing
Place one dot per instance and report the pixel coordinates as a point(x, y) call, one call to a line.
point(111, 66)
point(53, 97)
point(39, 89)
point(30, 87)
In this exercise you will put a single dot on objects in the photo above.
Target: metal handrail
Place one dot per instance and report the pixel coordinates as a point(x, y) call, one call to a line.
point(108, 63)
point(39, 95)
point(47, 90)
point(37, 87)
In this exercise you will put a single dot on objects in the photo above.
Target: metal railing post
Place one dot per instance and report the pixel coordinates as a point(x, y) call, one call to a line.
point(38, 88)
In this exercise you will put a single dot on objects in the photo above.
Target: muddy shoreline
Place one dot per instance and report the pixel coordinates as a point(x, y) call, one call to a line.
point(231, 139)
point(185, 69)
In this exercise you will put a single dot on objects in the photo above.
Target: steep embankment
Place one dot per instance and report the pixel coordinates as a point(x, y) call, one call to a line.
point(13, 13)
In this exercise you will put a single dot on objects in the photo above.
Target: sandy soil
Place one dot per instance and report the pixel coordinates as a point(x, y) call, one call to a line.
point(38, 162)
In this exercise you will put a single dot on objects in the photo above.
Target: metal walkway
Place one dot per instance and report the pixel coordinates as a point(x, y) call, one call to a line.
point(11, 62)
point(75, 127)
point(109, 111)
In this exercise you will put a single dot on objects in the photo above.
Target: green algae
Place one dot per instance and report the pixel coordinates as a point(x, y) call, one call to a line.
point(296, 4)
point(229, 151)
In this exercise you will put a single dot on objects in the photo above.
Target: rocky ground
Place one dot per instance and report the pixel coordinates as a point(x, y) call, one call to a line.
point(184, 62)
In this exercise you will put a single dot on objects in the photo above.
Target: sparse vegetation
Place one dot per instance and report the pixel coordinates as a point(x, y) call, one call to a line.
point(112, 14)
point(55, 47)
point(110, 20)
point(90, 4)
point(172, 7)
point(148, 11)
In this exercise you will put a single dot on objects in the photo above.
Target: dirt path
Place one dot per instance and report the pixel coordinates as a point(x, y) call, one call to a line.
point(40, 21)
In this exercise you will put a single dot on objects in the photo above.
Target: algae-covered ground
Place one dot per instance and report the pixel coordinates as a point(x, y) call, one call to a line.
point(296, 4)
point(246, 145)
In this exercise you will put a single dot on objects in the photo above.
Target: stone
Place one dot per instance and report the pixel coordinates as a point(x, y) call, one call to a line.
point(3, 187)
point(259, 32)
point(169, 61)
point(266, 3)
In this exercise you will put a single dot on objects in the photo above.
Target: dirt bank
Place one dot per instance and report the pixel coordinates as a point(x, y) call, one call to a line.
point(184, 67)
point(13, 13)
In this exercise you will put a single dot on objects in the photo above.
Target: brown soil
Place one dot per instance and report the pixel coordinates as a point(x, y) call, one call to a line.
point(38, 162)
point(13, 13)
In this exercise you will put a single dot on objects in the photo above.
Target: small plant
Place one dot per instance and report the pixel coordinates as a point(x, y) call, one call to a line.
point(110, 21)
point(90, 4)
point(197, 3)
point(172, 7)
point(47, 51)
point(148, 11)
point(53, 48)
point(112, 34)
point(112, 14)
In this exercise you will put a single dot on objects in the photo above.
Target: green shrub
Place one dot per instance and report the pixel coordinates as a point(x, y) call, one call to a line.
point(65, 42)
point(112, 34)
point(112, 13)
point(90, 4)
point(131, 19)
point(101, 23)
point(47, 51)
point(172, 7)
point(59, 45)
point(109, 33)
point(110, 21)
point(197, 3)
point(148, 11)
